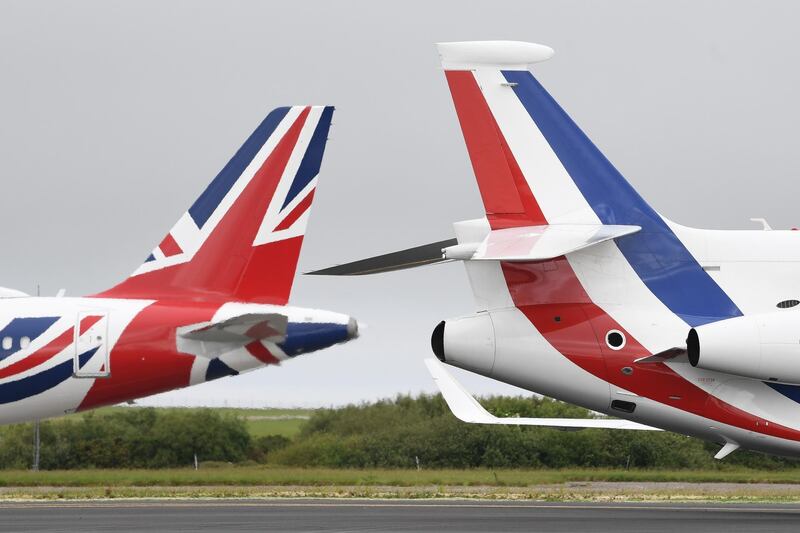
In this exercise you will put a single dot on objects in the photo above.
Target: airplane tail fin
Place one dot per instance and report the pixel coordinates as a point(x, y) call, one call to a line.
point(534, 166)
point(547, 191)
point(241, 238)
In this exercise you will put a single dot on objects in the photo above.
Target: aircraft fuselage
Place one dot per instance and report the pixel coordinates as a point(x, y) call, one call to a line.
point(546, 327)
point(61, 355)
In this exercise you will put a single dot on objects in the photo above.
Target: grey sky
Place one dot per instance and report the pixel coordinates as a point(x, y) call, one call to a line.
point(115, 115)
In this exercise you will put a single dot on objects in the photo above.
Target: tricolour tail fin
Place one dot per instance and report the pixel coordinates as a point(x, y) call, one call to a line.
point(535, 167)
point(241, 239)
point(533, 164)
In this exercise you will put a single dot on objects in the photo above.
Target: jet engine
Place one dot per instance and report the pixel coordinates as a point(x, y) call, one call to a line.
point(467, 342)
point(765, 347)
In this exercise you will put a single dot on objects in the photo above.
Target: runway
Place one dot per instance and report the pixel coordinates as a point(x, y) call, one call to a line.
point(392, 515)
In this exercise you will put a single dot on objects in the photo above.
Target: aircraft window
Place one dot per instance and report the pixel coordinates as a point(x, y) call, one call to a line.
point(24, 342)
point(7, 343)
point(786, 304)
point(615, 339)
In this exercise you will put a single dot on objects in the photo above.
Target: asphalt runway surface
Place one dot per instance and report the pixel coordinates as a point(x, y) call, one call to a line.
point(392, 515)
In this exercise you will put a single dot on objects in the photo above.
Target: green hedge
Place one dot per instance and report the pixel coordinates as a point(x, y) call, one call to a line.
point(395, 433)
point(133, 438)
point(387, 434)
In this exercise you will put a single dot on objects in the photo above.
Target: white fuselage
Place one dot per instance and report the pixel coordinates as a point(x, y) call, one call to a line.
point(547, 325)
point(61, 355)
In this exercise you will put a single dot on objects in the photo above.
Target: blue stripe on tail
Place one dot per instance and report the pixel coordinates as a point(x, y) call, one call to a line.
point(205, 205)
point(655, 253)
point(312, 160)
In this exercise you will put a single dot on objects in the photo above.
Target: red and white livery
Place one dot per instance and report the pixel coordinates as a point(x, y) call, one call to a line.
point(586, 294)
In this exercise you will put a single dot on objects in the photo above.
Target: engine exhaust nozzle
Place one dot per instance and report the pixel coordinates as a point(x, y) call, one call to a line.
point(693, 347)
point(437, 341)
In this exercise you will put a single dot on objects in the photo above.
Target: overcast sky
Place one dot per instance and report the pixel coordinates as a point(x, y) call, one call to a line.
point(115, 115)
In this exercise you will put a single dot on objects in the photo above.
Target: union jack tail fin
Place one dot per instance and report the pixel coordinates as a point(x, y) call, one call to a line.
point(241, 238)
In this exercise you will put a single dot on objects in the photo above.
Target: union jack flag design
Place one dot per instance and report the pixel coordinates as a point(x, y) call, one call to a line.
point(40, 355)
point(261, 197)
point(209, 301)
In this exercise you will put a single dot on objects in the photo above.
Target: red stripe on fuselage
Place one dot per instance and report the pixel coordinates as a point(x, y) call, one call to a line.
point(551, 296)
point(50, 350)
point(506, 195)
point(145, 360)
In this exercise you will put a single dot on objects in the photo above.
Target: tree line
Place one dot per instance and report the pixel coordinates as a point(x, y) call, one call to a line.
point(395, 433)
point(400, 433)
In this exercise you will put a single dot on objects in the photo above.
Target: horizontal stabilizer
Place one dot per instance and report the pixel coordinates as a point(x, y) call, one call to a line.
point(538, 243)
point(242, 328)
point(409, 258)
point(467, 409)
point(11, 293)
point(526, 243)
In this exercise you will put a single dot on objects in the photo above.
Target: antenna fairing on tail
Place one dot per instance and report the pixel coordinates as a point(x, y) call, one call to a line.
point(508, 55)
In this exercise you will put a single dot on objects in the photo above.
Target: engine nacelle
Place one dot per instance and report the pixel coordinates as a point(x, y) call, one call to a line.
point(467, 342)
point(765, 347)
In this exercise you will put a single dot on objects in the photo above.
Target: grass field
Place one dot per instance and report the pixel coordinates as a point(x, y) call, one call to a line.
point(260, 422)
point(730, 485)
point(262, 475)
point(724, 483)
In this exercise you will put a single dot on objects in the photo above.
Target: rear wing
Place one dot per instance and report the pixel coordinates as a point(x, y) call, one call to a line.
point(409, 258)
point(540, 243)
point(518, 244)
point(467, 409)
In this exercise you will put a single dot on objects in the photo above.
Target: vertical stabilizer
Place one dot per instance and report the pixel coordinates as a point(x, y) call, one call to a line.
point(534, 166)
point(241, 239)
